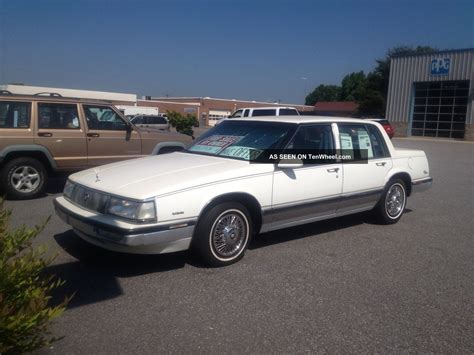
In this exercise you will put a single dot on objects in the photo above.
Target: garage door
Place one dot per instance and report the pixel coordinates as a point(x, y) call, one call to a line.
point(440, 109)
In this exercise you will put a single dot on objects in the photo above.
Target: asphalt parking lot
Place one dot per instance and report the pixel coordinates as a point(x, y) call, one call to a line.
point(345, 285)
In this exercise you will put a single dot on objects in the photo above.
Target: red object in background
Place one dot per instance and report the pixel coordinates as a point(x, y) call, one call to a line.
point(389, 129)
point(386, 126)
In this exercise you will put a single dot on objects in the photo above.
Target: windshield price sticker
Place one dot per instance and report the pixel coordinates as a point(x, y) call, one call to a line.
point(215, 144)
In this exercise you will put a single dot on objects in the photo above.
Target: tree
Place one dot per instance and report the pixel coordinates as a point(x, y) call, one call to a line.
point(351, 86)
point(25, 290)
point(323, 93)
point(183, 124)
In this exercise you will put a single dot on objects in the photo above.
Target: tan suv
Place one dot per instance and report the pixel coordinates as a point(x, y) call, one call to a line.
point(44, 134)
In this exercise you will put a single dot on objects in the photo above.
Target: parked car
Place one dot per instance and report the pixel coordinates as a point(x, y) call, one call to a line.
point(42, 134)
point(151, 121)
point(260, 112)
point(386, 126)
point(213, 197)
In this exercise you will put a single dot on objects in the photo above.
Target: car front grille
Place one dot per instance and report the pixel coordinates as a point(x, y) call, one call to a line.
point(89, 199)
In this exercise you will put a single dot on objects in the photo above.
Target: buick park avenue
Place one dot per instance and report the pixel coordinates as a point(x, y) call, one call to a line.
point(212, 197)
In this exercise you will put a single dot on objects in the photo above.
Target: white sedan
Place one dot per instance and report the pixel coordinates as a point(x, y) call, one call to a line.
point(239, 179)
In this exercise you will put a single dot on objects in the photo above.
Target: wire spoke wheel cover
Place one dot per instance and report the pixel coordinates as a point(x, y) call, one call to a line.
point(229, 235)
point(395, 200)
point(25, 179)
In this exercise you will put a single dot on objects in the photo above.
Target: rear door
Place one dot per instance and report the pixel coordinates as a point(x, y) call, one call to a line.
point(109, 137)
point(364, 176)
point(61, 131)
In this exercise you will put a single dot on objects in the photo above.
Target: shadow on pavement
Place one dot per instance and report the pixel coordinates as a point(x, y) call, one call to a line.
point(93, 277)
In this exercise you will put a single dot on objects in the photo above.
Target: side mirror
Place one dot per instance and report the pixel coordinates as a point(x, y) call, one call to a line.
point(291, 164)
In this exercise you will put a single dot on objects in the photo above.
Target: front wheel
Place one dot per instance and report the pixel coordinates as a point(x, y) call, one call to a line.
point(390, 208)
point(222, 234)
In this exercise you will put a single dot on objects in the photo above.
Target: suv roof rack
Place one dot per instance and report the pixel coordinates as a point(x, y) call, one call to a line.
point(52, 94)
point(5, 92)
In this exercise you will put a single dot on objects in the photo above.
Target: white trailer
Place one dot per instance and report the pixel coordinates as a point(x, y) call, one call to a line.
point(137, 110)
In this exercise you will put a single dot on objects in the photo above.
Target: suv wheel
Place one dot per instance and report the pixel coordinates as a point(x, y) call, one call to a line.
point(390, 208)
point(222, 234)
point(23, 178)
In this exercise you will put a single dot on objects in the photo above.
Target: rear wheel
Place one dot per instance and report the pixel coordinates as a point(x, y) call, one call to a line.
point(222, 234)
point(23, 178)
point(390, 208)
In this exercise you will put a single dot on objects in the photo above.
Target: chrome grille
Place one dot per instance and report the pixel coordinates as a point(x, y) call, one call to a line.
point(89, 199)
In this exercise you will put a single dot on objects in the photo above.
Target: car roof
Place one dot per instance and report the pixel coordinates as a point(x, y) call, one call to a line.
point(43, 98)
point(303, 119)
point(265, 108)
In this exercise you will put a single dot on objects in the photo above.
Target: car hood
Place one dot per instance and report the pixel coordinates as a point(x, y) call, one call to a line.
point(163, 174)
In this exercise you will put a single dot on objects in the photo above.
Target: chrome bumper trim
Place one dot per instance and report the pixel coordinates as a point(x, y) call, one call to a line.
point(421, 185)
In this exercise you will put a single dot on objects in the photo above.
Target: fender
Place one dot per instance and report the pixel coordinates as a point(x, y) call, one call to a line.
point(28, 148)
point(162, 145)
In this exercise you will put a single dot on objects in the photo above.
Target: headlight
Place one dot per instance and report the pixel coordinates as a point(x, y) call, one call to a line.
point(141, 211)
point(68, 189)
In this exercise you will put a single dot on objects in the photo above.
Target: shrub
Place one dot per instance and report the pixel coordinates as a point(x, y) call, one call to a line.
point(25, 313)
point(182, 123)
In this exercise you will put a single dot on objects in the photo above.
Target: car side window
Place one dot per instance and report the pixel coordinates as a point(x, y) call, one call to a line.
point(160, 120)
point(15, 114)
point(103, 118)
point(138, 120)
point(246, 113)
point(237, 114)
point(57, 116)
point(288, 112)
point(264, 112)
point(378, 143)
point(313, 139)
point(355, 141)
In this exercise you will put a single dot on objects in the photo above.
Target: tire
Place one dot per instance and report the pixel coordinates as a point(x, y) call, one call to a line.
point(389, 209)
point(220, 249)
point(23, 178)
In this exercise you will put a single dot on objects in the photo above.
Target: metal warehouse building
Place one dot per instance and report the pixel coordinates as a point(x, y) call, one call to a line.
point(431, 95)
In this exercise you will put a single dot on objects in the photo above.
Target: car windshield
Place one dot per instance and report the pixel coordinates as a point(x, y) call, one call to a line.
point(243, 140)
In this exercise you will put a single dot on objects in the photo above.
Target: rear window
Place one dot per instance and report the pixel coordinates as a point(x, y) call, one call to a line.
point(269, 112)
point(15, 114)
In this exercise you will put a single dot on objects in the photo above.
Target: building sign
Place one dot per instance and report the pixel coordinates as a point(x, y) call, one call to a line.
point(440, 66)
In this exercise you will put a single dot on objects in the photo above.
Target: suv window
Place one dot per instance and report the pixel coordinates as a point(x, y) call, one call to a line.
point(288, 112)
point(57, 116)
point(236, 114)
point(103, 118)
point(246, 113)
point(269, 112)
point(15, 114)
point(157, 120)
point(137, 120)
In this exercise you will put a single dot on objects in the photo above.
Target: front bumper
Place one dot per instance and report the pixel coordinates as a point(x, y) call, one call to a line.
point(108, 233)
point(421, 184)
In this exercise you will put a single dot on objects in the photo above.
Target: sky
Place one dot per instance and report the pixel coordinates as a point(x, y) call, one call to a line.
point(250, 50)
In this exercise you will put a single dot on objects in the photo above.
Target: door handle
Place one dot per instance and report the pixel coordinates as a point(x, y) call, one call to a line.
point(45, 134)
point(93, 135)
point(333, 170)
point(381, 164)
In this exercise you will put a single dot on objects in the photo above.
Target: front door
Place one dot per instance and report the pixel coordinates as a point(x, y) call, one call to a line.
point(310, 192)
point(109, 138)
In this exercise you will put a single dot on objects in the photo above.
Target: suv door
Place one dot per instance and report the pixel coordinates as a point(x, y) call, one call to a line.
point(60, 130)
point(312, 191)
point(109, 137)
point(364, 176)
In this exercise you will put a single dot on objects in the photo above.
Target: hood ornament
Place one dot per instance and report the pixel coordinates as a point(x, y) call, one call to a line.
point(96, 176)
